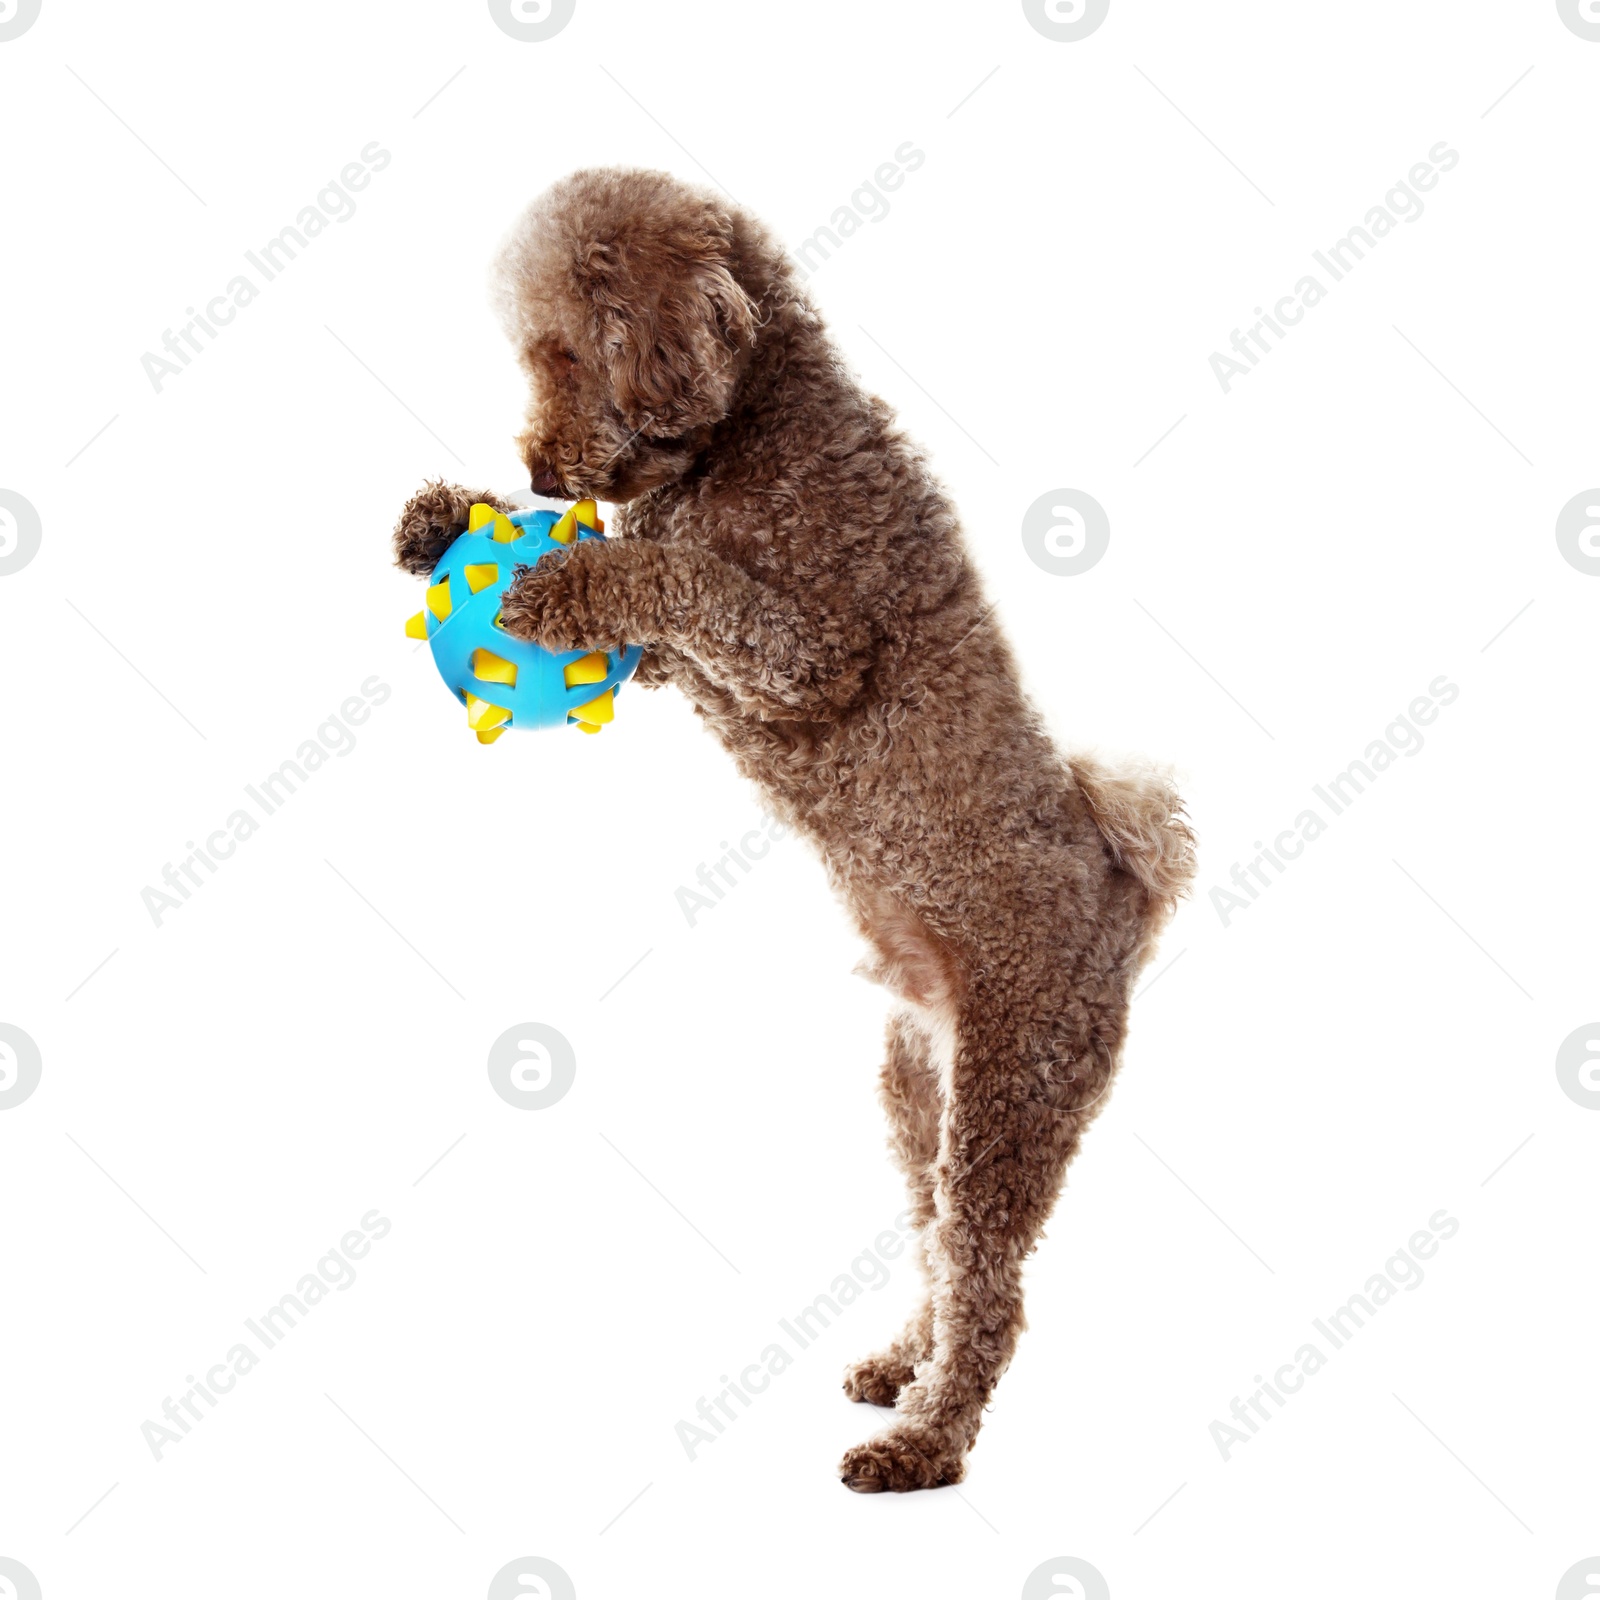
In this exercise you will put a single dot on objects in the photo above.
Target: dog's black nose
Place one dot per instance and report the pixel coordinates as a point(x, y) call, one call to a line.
point(544, 482)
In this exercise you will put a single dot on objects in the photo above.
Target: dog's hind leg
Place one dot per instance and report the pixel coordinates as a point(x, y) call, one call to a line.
point(1005, 1140)
point(910, 1092)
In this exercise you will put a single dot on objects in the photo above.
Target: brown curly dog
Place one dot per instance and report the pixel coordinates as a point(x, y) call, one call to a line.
point(786, 558)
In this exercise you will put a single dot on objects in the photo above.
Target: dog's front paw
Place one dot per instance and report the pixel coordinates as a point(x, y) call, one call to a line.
point(433, 519)
point(905, 1458)
point(562, 601)
point(878, 1380)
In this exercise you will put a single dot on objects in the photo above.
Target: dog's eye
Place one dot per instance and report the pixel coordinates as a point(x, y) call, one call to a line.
point(569, 356)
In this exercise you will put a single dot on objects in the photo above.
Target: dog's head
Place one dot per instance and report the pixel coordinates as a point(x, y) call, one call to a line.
point(618, 289)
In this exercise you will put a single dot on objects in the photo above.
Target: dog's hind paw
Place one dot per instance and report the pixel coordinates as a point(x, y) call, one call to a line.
point(878, 1380)
point(903, 1459)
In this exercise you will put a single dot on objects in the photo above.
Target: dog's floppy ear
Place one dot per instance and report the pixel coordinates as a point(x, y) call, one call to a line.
point(675, 326)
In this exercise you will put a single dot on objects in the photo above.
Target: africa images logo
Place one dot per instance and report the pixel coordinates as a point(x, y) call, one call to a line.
point(1065, 21)
point(532, 21)
point(21, 532)
point(16, 17)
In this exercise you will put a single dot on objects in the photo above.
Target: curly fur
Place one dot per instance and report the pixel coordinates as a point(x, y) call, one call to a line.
point(787, 560)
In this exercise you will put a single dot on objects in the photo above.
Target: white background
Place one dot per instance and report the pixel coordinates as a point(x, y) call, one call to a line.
point(303, 1040)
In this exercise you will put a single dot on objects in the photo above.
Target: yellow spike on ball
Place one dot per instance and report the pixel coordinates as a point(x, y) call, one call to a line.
point(592, 669)
point(597, 710)
point(417, 626)
point(481, 576)
point(494, 669)
point(438, 598)
point(482, 716)
point(480, 516)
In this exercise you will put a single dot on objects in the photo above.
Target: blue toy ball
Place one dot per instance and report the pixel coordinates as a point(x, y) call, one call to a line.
point(505, 682)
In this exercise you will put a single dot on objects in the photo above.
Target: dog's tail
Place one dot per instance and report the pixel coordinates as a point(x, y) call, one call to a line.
point(1140, 813)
